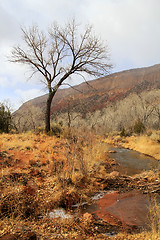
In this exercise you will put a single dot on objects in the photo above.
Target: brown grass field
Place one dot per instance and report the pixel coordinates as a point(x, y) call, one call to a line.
point(40, 173)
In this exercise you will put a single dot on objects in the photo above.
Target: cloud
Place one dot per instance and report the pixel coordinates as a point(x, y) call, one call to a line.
point(26, 95)
point(131, 28)
point(4, 82)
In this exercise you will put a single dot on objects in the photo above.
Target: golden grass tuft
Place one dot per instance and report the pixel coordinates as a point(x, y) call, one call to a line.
point(40, 173)
point(155, 218)
point(143, 144)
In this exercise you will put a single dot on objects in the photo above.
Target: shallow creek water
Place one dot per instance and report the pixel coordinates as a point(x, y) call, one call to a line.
point(132, 162)
point(131, 207)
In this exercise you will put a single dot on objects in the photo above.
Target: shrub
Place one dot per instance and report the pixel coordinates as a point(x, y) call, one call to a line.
point(5, 118)
point(39, 130)
point(56, 130)
point(139, 127)
point(123, 133)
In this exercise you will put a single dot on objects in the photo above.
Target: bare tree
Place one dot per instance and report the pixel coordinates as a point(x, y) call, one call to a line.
point(27, 119)
point(59, 53)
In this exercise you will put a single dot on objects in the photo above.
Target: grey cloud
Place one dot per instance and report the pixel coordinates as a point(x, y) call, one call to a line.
point(131, 27)
point(7, 25)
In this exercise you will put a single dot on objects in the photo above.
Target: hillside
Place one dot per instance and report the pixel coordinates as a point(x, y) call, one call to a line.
point(99, 93)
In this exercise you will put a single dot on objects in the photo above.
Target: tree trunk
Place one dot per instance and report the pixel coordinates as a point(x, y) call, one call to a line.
point(48, 112)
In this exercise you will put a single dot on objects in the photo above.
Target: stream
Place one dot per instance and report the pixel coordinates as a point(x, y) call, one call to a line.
point(132, 207)
point(132, 162)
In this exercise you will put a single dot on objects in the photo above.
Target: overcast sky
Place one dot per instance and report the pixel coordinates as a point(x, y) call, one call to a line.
point(131, 28)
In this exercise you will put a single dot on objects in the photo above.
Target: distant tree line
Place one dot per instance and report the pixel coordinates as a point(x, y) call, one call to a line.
point(135, 113)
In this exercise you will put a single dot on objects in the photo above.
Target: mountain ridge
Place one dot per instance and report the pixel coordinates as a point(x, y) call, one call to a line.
point(99, 93)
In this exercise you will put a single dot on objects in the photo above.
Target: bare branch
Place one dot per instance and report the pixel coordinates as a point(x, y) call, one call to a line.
point(67, 84)
point(61, 53)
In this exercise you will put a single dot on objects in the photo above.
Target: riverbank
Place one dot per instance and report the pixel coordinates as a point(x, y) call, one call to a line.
point(40, 174)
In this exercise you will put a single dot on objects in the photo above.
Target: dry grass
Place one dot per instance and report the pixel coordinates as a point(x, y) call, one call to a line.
point(143, 144)
point(40, 173)
point(140, 236)
point(149, 145)
point(155, 219)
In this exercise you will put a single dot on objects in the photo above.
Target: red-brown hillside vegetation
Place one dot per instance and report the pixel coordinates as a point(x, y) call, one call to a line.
point(100, 92)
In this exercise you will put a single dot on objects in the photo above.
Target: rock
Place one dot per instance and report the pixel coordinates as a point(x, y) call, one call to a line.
point(112, 151)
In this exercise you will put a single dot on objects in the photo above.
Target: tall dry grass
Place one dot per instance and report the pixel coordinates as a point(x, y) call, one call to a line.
point(144, 144)
point(40, 173)
point(154, 217)
point(52, 171)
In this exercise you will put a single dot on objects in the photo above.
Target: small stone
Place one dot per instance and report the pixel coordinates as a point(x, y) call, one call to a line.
point(112, 151)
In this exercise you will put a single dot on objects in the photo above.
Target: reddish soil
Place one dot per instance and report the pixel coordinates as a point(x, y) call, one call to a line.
point(128, 208)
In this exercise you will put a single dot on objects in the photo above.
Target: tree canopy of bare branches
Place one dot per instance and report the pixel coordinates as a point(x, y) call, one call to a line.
point(60, 52)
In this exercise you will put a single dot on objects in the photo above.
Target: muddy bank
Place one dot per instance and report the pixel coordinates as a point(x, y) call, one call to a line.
point(128, 209)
